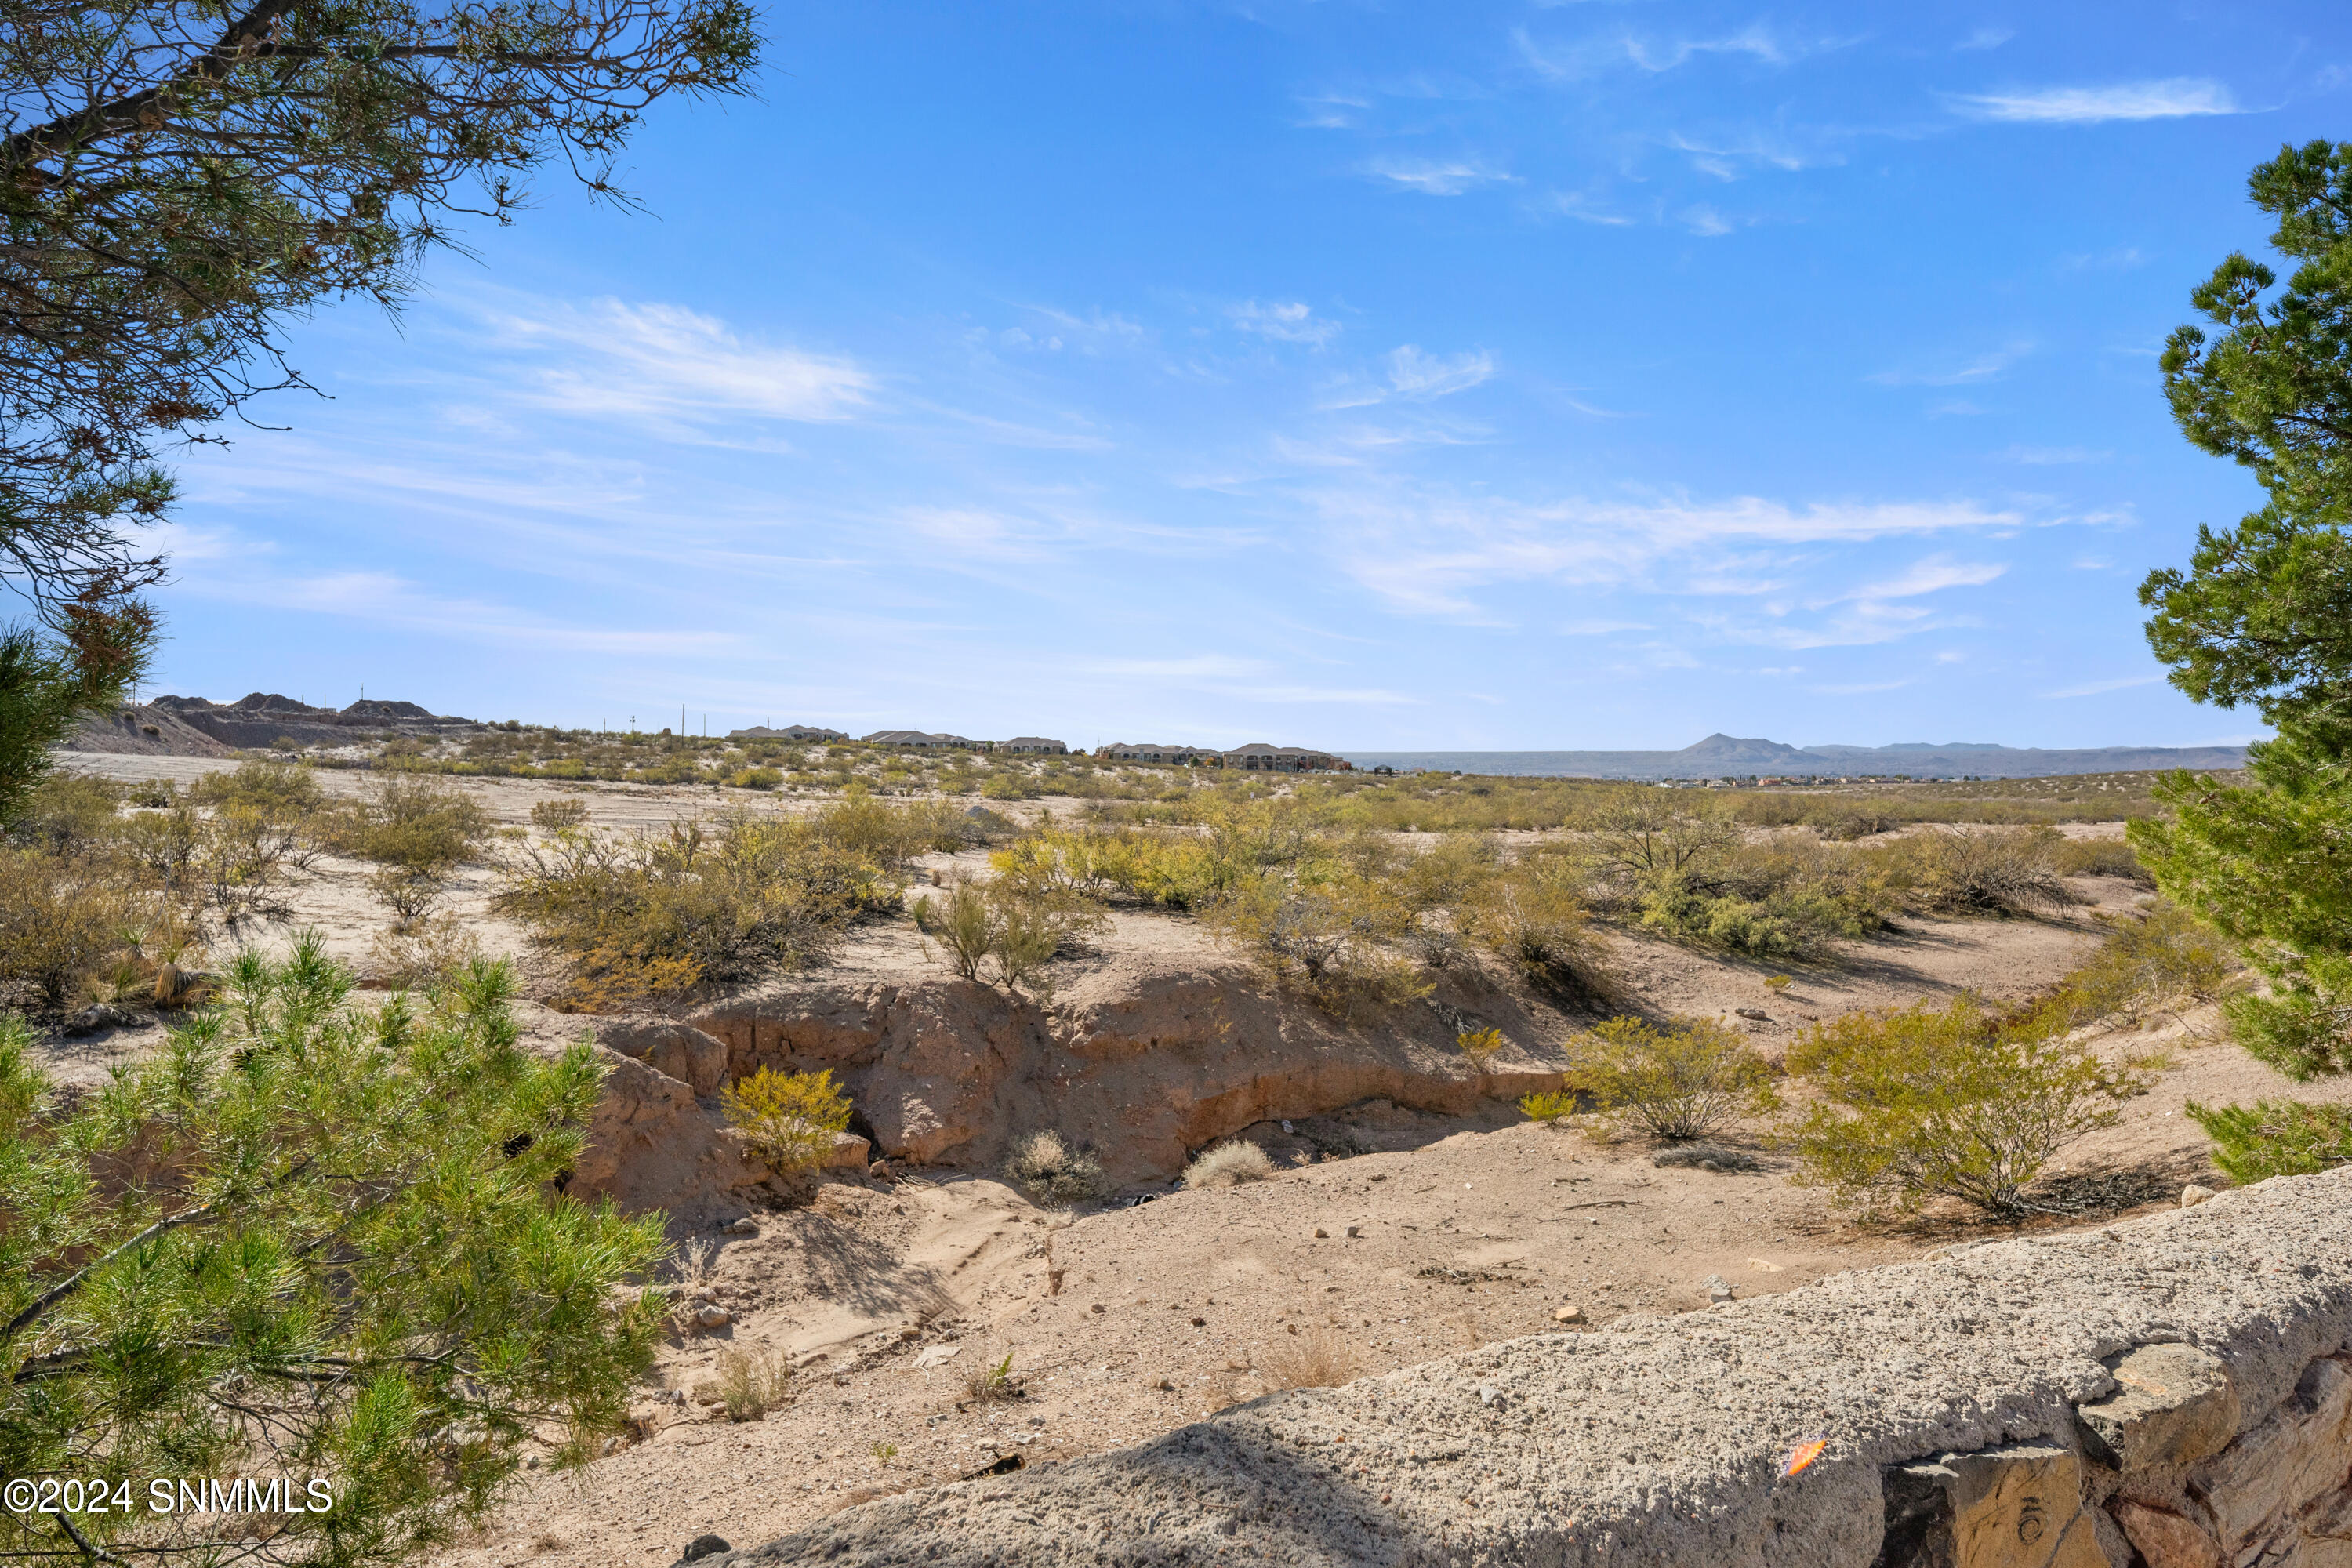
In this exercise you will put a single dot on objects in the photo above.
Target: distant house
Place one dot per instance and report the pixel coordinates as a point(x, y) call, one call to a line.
point(1153, 751)
point(1257, 756)
point(918, 738)
point(789, 732)
point(1037, 744)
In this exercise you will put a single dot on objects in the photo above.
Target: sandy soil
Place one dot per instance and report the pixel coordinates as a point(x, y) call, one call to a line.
point(885, 1295)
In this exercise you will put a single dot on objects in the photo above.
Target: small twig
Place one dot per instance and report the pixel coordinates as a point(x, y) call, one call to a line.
point(1604, 1204)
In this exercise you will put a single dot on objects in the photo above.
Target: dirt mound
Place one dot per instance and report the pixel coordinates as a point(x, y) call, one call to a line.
point(264, 717)
point(143, 730)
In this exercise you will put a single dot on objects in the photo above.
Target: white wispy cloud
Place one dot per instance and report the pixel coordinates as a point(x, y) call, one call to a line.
point(1414, 376)
point(1576, 60)
point(1705, 221)
point(1330, 111)
point(1985, 39)
point(1286, 321)
point(614, 359)
point(1428, 553)
point(384, 599)
point(2171, 99)
point(1983, 367)
point(1932, 575)
point(1726, 157)
point(1432, 177)
point(2099, 688)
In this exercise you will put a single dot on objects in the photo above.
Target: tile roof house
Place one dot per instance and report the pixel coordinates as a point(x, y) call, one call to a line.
point(789, 732)
point(1154, 751)
point(1037, 744)
point(916, 737)
point(1260, 757)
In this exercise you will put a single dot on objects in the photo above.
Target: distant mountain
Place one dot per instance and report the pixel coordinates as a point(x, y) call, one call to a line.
point(1720, 755)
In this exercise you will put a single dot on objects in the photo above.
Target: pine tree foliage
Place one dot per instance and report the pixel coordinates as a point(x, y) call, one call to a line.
point(308, 1239)
point(2264, 615)
point(180, 177)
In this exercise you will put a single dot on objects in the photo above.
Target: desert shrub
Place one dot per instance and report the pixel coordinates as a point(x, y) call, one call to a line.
point(755, 778)
point(430, 952)
point(1011, 928)
point(1705, 1157)
point(1531, 913)
point(1318, 1357)
point(1331, 930)
point(790, 1117)
point(286, 790)
point(1481, 1045)
point(66, 814)
point(1549, 1107)
point(890, 835)
point(657, 912)
point(1229, 1165)
point(2277, 1136)
point(60, 921)
point(1691, 1077)
point(565, 811)
point(2099, 858)
point(2164, 956)
point(417, 831)
point(1999, 871)
point(1046, 1167)
point(752, 1384)
point(1947, 1102)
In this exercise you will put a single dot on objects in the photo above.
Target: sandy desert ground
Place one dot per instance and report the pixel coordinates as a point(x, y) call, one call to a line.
point(887, 1295)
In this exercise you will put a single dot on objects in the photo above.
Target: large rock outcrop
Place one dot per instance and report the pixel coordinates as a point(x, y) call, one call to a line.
point(2171, 1392)
point(1146, 1072)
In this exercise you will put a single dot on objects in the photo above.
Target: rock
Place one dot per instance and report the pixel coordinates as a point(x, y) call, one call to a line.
point(880, 1170)
point(677, 1050)
point(703, 1546)
point(2287, 1461)
point(2164, 1538)
point(849, 1153)
point(1098, 1307)
point(2193, 1195)
point(1357, 1231)
point(747, 1225)
point(1718, 1287)
point(940, 1355)
point(1322, 1235)
point(653, 1145)
point(713, 1316)
point(2176, 1405)
point(99, 1015)
point(1567, 1315)
point(1704, 1157)
point(2015, 1507)
point(1760, 1017)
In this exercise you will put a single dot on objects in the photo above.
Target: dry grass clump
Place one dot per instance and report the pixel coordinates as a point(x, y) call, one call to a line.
point(1051, 1171)
point(1690, 1079)
point(1229, 1165)
point(2100, 858)
point(1318, 1357)
point(752, 1384)
point(986, 1381)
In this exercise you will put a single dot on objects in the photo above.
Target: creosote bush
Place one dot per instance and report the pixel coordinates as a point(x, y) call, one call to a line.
point(1008, 930)
point(1687, 1080)
point(1948, 1102)
point(417, 830)
point(1053, 1172)
point(1229, 1165)
point(1549, 1107)
point(654, 913)
point(789, 1117)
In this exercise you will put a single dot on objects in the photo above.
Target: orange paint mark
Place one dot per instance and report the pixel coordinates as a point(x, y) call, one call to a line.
point(1804, 1453)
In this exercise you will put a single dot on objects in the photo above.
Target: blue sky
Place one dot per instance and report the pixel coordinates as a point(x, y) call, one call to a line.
point(1379, 376)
